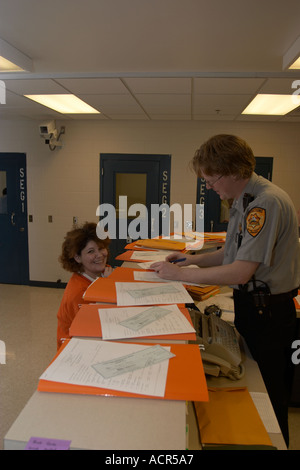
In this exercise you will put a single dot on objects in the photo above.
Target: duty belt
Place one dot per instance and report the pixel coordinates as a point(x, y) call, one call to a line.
point(273, 297)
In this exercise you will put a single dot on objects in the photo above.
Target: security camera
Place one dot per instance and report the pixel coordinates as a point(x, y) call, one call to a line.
point(47, 129)
point(51, 135)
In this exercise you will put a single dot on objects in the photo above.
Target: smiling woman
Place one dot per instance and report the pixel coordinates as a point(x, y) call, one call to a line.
point(85, 255)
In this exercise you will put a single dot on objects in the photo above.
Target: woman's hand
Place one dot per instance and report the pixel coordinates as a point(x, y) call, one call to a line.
point(107, 271)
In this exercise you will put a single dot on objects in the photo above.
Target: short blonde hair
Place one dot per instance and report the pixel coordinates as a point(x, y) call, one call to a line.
point(224, 154)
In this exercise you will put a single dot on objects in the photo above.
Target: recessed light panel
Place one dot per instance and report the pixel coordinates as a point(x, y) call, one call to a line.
point(7, 66)
point(295, 65)
point(274, 105)
point(65, 104)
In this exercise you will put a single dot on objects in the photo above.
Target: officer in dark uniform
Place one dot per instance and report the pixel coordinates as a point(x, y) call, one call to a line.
point(260, 261)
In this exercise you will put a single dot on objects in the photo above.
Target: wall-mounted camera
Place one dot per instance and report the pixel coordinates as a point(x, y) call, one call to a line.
point(51, 134)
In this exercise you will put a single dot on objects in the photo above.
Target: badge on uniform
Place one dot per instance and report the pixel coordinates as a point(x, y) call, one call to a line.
point(255, 221)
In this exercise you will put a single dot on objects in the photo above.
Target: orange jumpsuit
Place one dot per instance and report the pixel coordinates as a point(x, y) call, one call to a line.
point(69, 306)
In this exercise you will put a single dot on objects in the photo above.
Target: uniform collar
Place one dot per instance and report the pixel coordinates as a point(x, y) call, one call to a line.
point(249, 188)
point(90, 278)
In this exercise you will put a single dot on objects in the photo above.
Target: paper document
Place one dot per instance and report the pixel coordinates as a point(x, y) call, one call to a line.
point(143, 293)
point(134, 361)
point(152, 276)
point(146, 265)
point(145, 318)
point(128, 322)
point(151, 255)
point(265, 409)
point(74, 365)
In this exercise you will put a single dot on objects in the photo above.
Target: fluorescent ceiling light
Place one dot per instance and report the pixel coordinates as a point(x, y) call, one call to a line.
point(7, 66)
point(12, 60)
point(272, 104)
point(65, 104)
point(295, 65)
point(291, 57)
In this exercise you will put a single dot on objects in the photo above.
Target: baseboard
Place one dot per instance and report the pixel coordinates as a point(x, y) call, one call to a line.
point(57, 285)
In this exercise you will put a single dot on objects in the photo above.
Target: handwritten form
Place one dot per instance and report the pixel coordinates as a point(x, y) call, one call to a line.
point(143, 293)
point(129, 322)
point(78, 362)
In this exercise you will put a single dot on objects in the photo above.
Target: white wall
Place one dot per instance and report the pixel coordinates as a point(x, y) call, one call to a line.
point(65, 183)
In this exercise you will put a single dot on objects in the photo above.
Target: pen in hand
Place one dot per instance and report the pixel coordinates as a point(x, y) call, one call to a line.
point(178, 260)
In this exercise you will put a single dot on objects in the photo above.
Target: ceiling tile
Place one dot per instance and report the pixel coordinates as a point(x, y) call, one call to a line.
point(226, 104)
point(129, 117)
point(119, 104)
point(84, 117)
point(279, 86)
point(253, 117)
point(214, 117)
point(93, 86)
point(170, 117)
point(226, 85)
point(34, 86)
point(165, 104)
point(159, 85)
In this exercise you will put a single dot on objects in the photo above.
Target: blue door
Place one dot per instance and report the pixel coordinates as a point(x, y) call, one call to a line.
point(143, 179)
point(14, 265)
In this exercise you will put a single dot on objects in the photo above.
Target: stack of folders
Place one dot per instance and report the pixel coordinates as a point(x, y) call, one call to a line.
point(202, 292)
point(131, 340)
point(151, 250)
point(183, 242)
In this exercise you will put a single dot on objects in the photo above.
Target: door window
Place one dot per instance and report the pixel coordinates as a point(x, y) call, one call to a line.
point(132, 185)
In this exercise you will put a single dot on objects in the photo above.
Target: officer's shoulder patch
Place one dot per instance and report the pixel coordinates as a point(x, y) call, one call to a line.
point(255, 221)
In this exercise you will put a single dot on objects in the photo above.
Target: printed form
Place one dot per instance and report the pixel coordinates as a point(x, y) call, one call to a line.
point(152, 276)
point(132, 368)
point(143, 293)
point(157, 255)
point(133, 322)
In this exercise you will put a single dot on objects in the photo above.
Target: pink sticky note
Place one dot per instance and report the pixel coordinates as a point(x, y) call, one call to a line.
point(42, 443)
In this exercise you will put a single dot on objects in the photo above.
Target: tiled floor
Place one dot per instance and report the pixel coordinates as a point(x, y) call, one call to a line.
point(28, 328)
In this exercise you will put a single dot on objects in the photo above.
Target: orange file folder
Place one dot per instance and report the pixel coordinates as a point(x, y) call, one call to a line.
point(126, 256)
point(101, 290)
point(230, 418)
point(185, 379)
point(297, 304)
point(121, 274)
point(104, 290)
point(197, 292)
point(87, 324)
point(161, 244)
point(135, 247)
point(200, 293)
